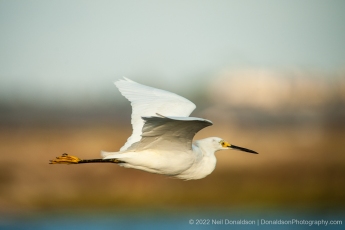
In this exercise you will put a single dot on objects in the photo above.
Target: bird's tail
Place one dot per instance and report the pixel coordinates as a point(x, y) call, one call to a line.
point(104, 154)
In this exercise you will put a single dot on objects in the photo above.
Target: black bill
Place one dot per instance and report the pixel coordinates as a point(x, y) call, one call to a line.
point(242, 149)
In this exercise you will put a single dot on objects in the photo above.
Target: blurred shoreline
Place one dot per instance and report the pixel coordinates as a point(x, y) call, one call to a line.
point(299, 138)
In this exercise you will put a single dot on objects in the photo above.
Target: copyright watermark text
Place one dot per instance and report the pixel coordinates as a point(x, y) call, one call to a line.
point(259, 222)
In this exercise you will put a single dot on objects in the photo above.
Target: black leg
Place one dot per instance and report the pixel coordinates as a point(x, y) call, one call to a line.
point(67, 159)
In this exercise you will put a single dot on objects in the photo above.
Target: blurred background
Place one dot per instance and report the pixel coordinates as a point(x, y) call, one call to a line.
point(269, 74)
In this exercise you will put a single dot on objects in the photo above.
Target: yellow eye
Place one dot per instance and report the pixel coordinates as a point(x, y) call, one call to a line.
point(224, 144)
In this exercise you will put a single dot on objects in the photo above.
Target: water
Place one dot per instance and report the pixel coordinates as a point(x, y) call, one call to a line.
point(173, 220)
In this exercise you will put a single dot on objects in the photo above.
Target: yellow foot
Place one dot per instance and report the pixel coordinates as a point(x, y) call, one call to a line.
point(65, 159)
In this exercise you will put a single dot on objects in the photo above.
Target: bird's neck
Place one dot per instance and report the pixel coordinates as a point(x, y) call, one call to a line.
point(206, 162)
point(204, 148)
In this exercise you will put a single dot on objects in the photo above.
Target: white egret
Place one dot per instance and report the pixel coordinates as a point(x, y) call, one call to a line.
point(162, 138)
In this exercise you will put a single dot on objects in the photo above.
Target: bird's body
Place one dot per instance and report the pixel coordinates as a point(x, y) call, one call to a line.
point(162, 138)
point(196, 163)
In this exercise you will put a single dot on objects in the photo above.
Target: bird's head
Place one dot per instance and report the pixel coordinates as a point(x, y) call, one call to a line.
point(220, 144)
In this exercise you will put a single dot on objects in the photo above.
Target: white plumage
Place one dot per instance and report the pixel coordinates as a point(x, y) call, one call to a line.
point(162, 138)
point(147, 101)
point(163, 133)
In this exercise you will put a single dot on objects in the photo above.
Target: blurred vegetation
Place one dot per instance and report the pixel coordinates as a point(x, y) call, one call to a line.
point(296, 121)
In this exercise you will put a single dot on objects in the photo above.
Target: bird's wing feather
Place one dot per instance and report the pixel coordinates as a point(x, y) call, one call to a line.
point(147, 101)
point(169, 133)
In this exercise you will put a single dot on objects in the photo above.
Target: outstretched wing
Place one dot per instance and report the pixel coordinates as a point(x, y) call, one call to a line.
point(147, 101)
point(169, 133)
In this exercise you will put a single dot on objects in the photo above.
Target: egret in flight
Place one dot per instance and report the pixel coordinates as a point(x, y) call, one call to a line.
point(162, 138)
